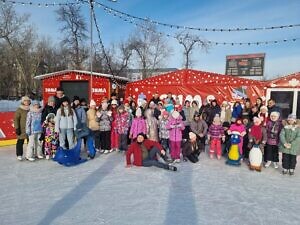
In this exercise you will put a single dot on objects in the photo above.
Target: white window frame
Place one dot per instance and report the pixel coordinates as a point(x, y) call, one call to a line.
point(295, 99)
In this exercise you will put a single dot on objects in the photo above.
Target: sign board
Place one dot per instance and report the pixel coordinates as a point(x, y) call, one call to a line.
point(245, 65)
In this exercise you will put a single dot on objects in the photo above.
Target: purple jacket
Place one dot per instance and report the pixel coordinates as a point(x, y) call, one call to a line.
point(273, 131)
point(138, 126)
point(176, 126)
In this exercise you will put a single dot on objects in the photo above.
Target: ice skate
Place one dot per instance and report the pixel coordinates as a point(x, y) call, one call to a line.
point(268, 164)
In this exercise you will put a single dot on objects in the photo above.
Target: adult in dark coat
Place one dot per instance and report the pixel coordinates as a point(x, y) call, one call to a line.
point(58, 98)
point(272, 107)
point(49, 108)
point(20, 125)
point(213, 110)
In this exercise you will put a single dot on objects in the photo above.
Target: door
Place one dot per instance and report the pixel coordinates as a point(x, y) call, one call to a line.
point(79, 88)
point(285, 100)
point(298, 105)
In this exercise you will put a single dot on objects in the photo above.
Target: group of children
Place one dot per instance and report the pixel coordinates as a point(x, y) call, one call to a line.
point(115, 126)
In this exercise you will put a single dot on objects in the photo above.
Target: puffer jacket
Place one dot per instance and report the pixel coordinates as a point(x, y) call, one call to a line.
point(33, 122)
point(20, 121)
point(273, 131)
point(163, 131)
point(122, 122)
point(175, 126)
point(105, 119)
point(65, 122)
point(138, 126)
point(290, 134)
point(91, 120)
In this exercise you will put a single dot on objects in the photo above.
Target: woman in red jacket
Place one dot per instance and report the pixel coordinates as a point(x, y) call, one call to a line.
point(144, 153)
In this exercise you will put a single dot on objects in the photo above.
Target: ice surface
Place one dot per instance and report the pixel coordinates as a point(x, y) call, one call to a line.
point(103, 191)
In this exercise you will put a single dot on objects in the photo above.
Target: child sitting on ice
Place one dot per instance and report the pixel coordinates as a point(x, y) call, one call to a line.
point(215, 134)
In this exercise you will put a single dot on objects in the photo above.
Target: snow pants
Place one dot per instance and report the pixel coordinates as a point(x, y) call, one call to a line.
point(175, 149)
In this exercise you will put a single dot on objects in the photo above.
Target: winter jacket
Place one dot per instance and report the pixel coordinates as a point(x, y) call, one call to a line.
point(273, 132)
point(136, 150)
point(47, 110)
point(105, 120)
point(199, 127)
point(225, 114)
point(175, 126)
point(152, 128)
point(261, 142)
point(20, 121)
point(91, 120)
point(215, 131)
point(65, 122)
point(239, 128)
point(189, 115)
point(163, 131)
point(81, 115)
point(213, 110)
point(237, 111)
point(33, 122)
point(122, 123)
point(188, 148)
point(290, 134)
point(138, 126)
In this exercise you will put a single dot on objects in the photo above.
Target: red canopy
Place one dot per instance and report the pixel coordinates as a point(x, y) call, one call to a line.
point(198, 85)
point(290, 81)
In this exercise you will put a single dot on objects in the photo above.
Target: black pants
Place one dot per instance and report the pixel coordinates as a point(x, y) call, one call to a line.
point(152, 161)
point(19, 147)
point(271, 153)
point(289, 161)
point(193, 157)
point(105, 140)
point(165, 144)
point(246, 150)
point(123, 142)
point(96, 134)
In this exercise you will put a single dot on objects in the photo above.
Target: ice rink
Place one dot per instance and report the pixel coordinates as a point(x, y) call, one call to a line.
point(103, 191)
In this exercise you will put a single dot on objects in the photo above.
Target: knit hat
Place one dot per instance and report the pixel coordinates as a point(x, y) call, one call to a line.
point(35, 103)
point(196, 114)
point(25, 98)
point(275, 113)
point(165, 113)
point(92, 103)
point(138, 112)
point(151, 104)
point(192, 135)
point(256, 120)
point(292, 117)
point(264, 107)
point(175, 114)
point(114, 102)
point(51, 99)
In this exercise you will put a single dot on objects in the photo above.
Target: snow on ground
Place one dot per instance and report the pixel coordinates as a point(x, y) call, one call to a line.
point(103, 192)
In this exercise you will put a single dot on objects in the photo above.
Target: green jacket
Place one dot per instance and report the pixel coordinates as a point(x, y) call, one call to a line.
point(20, 121)
point(291, 135)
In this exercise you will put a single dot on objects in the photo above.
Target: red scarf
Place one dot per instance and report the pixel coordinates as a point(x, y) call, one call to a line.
point(256, 132)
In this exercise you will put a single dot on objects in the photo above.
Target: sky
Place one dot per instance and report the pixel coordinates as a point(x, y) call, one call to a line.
point(281, 59)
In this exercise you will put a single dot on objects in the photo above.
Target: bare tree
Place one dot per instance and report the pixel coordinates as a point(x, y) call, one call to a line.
point(20, 38)
point(150, 47)
point(75, 33)
point(189, 43)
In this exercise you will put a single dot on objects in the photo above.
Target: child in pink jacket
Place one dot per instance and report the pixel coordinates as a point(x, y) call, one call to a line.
point(175, 126)
point(138, 125)
point(239, 127)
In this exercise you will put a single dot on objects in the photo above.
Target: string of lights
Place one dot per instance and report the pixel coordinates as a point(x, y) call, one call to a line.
point(267, 42)
point(113, 79)
point(130, 17)
point(41, 4)
point(136, 21)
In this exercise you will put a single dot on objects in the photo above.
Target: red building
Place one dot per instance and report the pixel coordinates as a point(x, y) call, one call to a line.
point(83, 84)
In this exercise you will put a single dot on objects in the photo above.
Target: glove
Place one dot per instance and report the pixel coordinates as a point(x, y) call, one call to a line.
point(18, 131)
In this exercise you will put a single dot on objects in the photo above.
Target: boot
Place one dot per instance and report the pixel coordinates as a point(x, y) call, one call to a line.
point(173, 168)
point(268, 163)
point(292, 172)
point(284, 171)
point(275, 165)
